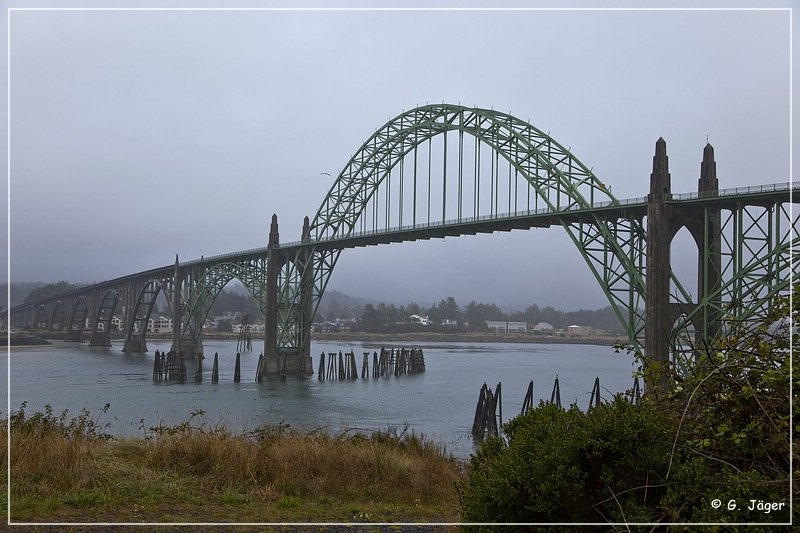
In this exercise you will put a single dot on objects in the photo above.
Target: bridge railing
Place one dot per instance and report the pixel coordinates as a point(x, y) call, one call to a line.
point(737, 191)
point(220, 257)
point(495, 217)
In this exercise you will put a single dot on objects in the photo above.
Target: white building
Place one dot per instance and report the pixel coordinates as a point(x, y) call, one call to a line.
point(502, 326)
point(416, 319)
point(543, 326)
point(161, 324)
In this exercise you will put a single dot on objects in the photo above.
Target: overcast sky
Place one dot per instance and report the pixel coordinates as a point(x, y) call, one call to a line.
point(138, 135)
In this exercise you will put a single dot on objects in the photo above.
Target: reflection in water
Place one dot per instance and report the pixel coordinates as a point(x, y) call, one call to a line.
point(439, 403)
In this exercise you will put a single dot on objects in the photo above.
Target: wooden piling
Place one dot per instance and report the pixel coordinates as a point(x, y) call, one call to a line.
point(260, 370)
point(237, 370)
point(555, 396)
point(636, 394)
point(215, 369)
point(198, 371)
point(156, 365)
point(351, 359)
point(594, 399)
point(527, 403)
point(332, 365)
point(365, 366)
point(499, 398)
point(182, 368)
point(479, 410)
point(321, 371)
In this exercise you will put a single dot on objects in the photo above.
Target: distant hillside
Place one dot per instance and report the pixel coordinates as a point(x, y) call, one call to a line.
point(19, 291)
point(336, 304)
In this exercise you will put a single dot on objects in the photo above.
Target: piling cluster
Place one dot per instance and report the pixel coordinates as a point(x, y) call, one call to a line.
point(485, 422)
point(169, 366)
point(390, 362)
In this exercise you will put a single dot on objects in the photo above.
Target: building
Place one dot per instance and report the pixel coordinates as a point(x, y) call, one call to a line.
point(417, 319)
point(543, 327)
point(576, 330)
point(503, 326)
point(161, 324)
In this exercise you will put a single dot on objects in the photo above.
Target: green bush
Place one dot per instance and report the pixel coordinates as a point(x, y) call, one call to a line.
point(571, 466)
point(722, 432)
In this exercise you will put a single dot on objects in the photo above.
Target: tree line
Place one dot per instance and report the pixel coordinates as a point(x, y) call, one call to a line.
point(448, 315)
point(386, 318)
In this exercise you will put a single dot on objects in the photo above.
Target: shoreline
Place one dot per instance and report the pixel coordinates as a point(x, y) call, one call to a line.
point(389, 338)
point(520, 338)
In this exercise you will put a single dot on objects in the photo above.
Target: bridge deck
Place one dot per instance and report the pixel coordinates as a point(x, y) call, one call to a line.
point(762, 195)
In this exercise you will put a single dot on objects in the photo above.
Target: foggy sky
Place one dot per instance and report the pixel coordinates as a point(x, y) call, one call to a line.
point(138, 135)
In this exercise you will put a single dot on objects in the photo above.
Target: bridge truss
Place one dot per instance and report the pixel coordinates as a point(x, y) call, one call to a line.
point(447, 170)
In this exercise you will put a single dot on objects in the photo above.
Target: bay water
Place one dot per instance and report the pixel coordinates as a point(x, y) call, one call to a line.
point(439, 403)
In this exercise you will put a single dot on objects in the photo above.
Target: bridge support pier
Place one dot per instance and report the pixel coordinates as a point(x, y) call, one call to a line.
point(271, 295)
point(191, 348)
point(663, 222)
point(135, 346)
point(306, 303)
point(278, 360)
point(74, 336)
point(658, 314)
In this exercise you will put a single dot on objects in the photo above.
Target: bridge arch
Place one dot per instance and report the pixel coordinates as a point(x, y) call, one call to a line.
point(77, 320)
point(101, 325)
point(136, 329)
point(41, 321)
point(557, 180)
point(208, 288)
point(57, 317)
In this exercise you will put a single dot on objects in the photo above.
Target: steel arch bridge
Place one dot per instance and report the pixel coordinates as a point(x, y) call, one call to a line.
point(447, 170)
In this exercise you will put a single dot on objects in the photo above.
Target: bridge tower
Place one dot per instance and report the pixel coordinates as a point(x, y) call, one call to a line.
point(288, 295)
point(658, 316)
point(664, 220)
point(176, 307)
point(274, 265)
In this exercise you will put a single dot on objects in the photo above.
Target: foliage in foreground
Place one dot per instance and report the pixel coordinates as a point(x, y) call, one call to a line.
point(722, 433)
point(67, 469)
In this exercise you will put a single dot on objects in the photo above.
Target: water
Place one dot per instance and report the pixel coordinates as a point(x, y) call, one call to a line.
point(439, 403)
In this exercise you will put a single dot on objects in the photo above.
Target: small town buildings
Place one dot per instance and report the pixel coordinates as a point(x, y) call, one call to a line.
point(542, 327)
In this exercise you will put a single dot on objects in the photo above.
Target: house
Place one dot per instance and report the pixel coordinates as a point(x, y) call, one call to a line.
point(417, 319)
point(575, 329)
point(161, 324)
point(504, 326)
point(542, 327)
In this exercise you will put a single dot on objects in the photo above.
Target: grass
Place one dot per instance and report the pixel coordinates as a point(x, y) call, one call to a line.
point(67, 470)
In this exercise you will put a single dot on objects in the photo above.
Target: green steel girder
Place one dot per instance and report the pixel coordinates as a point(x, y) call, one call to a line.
point(612, 243)
point(757, 242)
point(207, 283)
point(613, 249)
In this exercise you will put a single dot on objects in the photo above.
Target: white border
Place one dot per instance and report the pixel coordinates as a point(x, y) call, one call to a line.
point(387, 9)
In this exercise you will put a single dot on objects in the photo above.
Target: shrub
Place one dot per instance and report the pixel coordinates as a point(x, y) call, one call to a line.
point(570, 466)
point(721, 433)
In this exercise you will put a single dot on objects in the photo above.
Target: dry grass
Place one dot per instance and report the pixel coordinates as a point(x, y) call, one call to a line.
point(74, 473)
